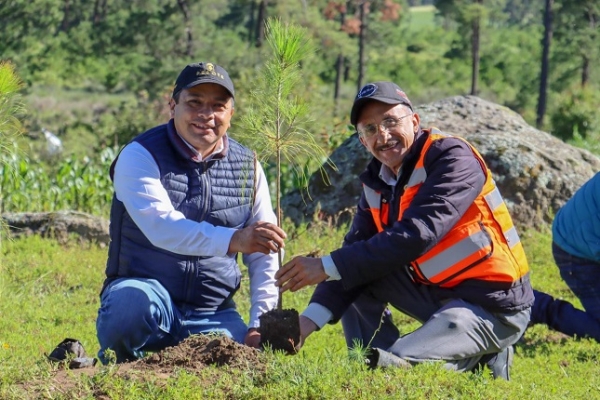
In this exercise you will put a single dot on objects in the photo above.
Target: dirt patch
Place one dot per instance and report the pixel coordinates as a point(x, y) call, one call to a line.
point(192, 355)
point(552, 337)
point(197, 352)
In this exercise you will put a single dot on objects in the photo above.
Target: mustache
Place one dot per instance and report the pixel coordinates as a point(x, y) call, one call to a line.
point(204, 125)
point(388, 145)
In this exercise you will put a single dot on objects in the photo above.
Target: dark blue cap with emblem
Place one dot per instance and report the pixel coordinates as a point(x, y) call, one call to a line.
point(383, 91)
point(203, 72)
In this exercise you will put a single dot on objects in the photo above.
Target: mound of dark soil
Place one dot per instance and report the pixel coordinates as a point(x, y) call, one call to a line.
point(192, 355)
point(198, 351)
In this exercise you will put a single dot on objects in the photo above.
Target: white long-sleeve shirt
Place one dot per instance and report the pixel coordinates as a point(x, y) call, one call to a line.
point(137, 184)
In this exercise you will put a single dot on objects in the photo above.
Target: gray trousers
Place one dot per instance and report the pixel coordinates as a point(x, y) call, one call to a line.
point(455, 332)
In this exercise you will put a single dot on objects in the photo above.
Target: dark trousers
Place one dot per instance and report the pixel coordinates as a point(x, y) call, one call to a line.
point(455, 332)
point(583, 278)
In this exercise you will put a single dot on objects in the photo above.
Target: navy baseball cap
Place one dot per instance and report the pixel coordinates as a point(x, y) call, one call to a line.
point(203, 72)
point(383, 91)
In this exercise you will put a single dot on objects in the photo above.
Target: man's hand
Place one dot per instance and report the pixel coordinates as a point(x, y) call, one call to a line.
point(252, 338)
point(300, 272)
point(260, 237)
point(307, 326)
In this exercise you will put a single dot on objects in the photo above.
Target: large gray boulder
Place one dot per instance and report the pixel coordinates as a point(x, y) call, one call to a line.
point(535, 172)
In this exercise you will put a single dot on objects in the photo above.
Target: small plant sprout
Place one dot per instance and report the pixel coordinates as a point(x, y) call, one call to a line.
point(358, 352)
point(274, 122)
point(274, 126)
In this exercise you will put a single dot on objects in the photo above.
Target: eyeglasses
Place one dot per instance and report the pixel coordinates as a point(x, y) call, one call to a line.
point(387, 124)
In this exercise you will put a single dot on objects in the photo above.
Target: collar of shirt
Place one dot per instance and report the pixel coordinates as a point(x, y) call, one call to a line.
point(189, 152)
point(388, 176)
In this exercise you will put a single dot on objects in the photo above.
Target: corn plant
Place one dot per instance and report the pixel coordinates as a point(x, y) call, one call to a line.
point(73, 184)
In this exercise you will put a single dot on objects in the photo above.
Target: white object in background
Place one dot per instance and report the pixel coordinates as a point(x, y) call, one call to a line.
point(54, 144)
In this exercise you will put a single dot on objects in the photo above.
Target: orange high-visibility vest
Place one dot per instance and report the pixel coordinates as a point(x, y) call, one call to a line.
point(483, 245)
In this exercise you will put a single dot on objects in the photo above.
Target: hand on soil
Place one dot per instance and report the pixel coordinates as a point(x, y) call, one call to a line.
point(260, 237)
point(252, 338)
point(307, 326)
point(300, 272)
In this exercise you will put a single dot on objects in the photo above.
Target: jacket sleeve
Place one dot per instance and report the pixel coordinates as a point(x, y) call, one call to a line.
point(362, 227)
point(455, 178)
point(333, 296)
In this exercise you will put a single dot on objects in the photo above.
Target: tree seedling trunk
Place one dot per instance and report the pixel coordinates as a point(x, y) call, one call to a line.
point(279, 328)
point(274, 127)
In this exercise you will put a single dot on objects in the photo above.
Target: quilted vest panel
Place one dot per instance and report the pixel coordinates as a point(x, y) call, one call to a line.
point(218, 191)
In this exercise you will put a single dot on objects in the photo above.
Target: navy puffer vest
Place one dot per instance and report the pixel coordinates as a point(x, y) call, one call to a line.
point(218, 191)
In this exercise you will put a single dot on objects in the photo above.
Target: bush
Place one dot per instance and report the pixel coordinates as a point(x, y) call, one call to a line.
point(577, 115)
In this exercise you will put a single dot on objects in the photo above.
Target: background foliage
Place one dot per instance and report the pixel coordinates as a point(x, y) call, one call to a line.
point(96, 73)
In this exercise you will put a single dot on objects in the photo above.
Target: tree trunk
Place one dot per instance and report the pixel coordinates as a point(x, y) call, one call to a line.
point(339, 72)
point(251, 27)
point(346, 69)
point(64, 25)
point(475, 52)
point(586, 65)
point(99, 11)
point(361, 45)
point(339, 65)
point(585, 71)
point(184, 7)
point(546, 42)
point(260, 22)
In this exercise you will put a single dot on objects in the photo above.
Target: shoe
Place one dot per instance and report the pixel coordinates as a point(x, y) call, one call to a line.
point(66, 349)
point(382, 359)
point(82, 362)
point(71, 351)
point(500, 363)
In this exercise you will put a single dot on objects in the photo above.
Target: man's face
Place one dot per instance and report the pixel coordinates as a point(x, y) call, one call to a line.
point(202, 115)
point(387, 131)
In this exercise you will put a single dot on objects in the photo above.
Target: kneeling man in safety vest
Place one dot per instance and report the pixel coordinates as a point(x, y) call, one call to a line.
point(433, 238)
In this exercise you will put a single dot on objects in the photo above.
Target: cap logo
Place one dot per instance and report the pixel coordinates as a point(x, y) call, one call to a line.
point(367, 91)
point(209, 69)
point(401, 94)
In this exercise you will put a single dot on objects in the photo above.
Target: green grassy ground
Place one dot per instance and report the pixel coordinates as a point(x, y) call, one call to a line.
point(421, 17)
point(49, 292)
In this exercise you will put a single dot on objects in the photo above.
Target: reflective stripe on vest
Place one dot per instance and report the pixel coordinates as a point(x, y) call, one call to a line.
point(484, 243)
point(495, 202)
point(470, 246)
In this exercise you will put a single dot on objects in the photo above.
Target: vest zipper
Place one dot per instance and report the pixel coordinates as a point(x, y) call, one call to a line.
point(205, 190)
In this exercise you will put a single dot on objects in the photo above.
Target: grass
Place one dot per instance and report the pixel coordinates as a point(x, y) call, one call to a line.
point(421, 17)
point(49, 292)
